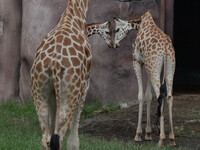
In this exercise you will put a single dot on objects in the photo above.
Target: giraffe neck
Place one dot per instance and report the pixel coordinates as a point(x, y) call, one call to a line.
point(82, 5)
point(76, 10)
point(147, 20)
point(93, 29)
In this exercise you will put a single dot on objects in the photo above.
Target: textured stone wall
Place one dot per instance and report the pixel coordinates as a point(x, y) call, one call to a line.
point(39, 17)
point(112, 75)
point(10, 30)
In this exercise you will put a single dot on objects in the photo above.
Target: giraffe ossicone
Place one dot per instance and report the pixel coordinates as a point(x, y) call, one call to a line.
point(152, 49)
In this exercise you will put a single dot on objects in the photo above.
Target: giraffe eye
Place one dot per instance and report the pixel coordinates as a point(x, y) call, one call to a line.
point(107, 32)
point(117, 30)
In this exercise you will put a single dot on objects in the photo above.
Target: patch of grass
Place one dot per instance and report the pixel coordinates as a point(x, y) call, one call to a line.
point(89, 109)
point(97, 143)
point(96, 107)
point(19, 127)
point(20, 130)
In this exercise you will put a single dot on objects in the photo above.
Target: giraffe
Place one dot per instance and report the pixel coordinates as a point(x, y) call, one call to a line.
point(152, 49)
point(60, 77)
point(103, 30)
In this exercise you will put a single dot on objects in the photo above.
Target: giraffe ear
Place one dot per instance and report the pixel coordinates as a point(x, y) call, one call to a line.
point(115, 19)
point(108, 24)
point(104, 25)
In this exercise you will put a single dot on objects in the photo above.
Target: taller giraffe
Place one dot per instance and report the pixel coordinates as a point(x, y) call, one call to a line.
point(152, 49)
point(60, 77)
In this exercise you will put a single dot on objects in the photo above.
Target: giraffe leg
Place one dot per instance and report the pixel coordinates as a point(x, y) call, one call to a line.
point(171, 134)
point(42, 113)
point(63, 120)
point(155, 80)
point(162, 128)
point(138, 71)
point(148, 98)
point(169, 83)
point(73, 140)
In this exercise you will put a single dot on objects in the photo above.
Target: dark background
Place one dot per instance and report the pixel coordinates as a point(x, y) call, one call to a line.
point(187, 45)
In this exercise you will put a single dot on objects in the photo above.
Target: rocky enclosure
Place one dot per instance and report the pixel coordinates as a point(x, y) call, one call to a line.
point(112, 75)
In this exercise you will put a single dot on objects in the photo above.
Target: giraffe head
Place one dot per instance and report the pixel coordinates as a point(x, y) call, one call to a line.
point(103, 29)
point(105, 32)
point(123, 27)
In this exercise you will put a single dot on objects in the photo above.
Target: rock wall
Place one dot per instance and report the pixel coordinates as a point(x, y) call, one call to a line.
point(112, 75)
point(38, 18)
point(10, 31)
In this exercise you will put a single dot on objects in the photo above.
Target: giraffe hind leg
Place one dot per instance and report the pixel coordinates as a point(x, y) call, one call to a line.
point(43, 118)
point(169, 84)
point(73, 140)
point(155, 80)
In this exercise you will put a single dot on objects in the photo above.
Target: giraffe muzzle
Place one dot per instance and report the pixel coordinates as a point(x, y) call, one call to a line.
point(115, 45)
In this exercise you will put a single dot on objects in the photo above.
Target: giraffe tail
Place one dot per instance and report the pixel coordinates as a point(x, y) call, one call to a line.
point(163, 92)
point(162, 95)
point(55, 138)
point(165, 66)
point(54, 143)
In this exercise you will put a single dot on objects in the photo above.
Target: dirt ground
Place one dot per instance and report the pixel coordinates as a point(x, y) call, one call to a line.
point(122, 123)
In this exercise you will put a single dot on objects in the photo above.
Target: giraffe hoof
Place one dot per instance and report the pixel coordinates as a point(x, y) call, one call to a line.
point(148, 137)
point(161, 143)
point(172, 143)
point(138, 138)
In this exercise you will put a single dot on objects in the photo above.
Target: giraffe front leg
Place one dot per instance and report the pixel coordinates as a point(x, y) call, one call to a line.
point(148, 98)
point(139, 127)
point(138, 71)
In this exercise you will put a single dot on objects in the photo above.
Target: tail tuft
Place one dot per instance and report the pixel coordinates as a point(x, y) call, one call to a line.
point(54, 143)
point(163, 94)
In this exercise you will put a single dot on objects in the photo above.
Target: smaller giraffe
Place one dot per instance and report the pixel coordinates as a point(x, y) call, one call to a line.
point(103, 30)
point(152, 49)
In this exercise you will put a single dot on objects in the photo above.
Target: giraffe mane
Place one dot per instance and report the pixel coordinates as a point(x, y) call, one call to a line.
point(147, 11)
point(91, 24)
point(137, 19)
